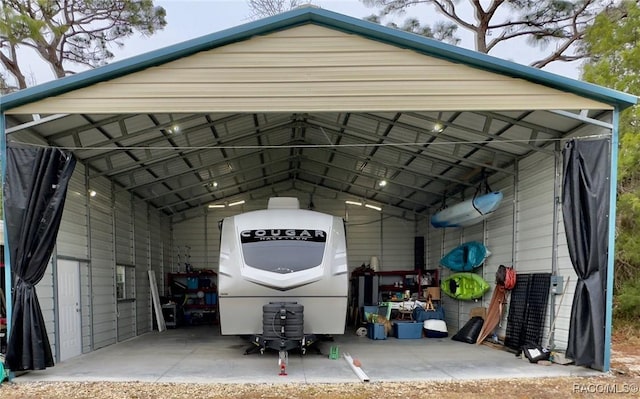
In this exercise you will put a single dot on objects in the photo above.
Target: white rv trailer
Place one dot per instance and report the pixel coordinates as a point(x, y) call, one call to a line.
point(282, 254)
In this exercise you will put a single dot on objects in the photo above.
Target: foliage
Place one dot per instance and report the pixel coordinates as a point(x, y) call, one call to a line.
point(628, 301)
point(73, 32)
point(442, 31)
point(267, 8)
point(613, 43)
point(543, 23)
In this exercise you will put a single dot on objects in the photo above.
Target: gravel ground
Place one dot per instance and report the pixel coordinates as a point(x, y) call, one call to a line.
point(613, 386)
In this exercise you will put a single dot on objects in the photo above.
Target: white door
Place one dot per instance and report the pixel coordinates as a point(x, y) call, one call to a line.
point(70, 328)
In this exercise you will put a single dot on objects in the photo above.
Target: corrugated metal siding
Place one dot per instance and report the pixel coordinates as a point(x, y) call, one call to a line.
point(102, 265)
point(364, 237)
point(124, 242)
point(397, 244)
point(141, 253)
point(156, 249)
point(309, 68)
point(534, 238)
point(123, 228)
point(86, 307)
point(45, 292)
point(73, 240)
point(495, 232)
point(366, 233)
point(126, 320)
point(189, 244)
point(499, 240)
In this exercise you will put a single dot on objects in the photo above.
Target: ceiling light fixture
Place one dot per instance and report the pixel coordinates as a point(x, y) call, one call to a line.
point(92, 193)
point(216, 205)
point(353, 203)
point(377, 208)
point(382, 183)
point(174, 128)
point(438, 127)
point(237, 203)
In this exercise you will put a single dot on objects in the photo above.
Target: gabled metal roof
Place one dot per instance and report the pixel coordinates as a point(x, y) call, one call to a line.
point(329, 19)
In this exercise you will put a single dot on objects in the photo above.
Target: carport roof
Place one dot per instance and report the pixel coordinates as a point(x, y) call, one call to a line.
point(332, 150)
point(328, 19)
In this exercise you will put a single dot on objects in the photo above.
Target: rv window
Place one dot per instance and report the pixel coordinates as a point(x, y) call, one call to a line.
point(283, 250)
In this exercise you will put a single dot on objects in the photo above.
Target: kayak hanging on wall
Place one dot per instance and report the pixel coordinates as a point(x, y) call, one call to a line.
point(464, 286)
point(465, 257)
point(469, 212)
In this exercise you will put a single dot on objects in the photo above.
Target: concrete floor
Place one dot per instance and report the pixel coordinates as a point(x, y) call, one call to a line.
point(201, 355)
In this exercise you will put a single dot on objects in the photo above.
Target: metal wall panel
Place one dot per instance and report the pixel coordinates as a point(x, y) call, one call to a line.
point(156, 249)
point(499, 240)
point(72, 242)
point(73, 237)
point(46, 298)
point(126, 320)
point(103, 293)
point(366, 232)
point(308, 68)
point(141, 254)
point(535, 218)
point(123, 228)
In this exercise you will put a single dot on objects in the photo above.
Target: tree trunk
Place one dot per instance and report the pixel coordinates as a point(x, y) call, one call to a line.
point(12, 66)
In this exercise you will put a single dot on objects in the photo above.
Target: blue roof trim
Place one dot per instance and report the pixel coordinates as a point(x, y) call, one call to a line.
point(329, 19)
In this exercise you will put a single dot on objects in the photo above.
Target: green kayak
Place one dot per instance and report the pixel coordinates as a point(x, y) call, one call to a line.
point(464, 286)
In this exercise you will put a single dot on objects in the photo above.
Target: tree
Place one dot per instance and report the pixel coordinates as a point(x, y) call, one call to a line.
point(541, 22)
point(267, 8)
point(613, 43)
point(70, 32)
point(441, 31)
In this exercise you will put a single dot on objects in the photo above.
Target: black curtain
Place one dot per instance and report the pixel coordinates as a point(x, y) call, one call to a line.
point(34, 194)
point(585, 207)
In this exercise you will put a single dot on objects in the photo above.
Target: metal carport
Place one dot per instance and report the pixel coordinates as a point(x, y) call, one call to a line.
point(311, 102)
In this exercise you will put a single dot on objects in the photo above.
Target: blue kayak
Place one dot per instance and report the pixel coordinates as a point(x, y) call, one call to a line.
point(465, 257)
point(469, 212)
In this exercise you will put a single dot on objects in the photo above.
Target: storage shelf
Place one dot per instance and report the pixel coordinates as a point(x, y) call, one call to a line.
point(182, 294)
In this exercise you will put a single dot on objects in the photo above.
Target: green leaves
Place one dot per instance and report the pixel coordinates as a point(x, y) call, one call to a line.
point(74, 32)
point(613, 45)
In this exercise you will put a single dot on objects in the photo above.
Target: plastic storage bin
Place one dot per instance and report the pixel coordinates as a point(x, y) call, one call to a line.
point(407, 330)
point(376, 331)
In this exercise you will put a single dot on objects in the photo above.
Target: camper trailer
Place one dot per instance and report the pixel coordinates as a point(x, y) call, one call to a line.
point(282, 255)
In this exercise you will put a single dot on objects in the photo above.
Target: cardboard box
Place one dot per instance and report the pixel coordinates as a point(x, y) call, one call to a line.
point(434, 292)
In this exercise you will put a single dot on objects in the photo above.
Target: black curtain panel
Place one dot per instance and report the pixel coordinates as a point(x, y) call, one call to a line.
point(585, 207)
point(34, 194)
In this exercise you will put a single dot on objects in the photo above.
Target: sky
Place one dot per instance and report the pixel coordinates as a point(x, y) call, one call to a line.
point(188, 19)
